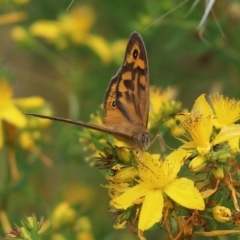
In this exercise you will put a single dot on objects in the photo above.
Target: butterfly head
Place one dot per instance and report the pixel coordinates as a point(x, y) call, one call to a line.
point(144, 141)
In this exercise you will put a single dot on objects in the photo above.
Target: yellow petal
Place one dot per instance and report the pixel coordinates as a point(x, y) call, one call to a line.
point(234, 144)
point(198, 125)
point(62, 215)
point(202, 106)
point(19, 33)
point(183, 192)
point(227, 110)
point(14, 116)
point(227, 133)
point(118, 49)
point(208, 193)
point(187, 145)
point(79, 21)
point(151, 211)
point(128, 198)
point(47, 29)
point(173, 163)
point(30, 102)
point(5, 91)
point(12, 17)
point(100, 47)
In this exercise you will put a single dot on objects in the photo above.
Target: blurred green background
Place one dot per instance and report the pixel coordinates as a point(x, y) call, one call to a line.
point(67, 54)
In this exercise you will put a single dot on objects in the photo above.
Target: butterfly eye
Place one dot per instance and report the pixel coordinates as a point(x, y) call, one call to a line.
point(135, 54)
point(144, 140)
point(141, 138)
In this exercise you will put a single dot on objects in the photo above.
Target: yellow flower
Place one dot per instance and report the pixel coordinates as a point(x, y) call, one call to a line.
point(12, 17)
point(156, 178)
point(161, 104)
point(198, 126)
point(19, 33)
point(77, 23)
point(62, 215)
point(227, 133)
point(118, 48)
point(47, 29)
point(100, 47)
point(76, 26)
point(227, 110)
point(8, 110)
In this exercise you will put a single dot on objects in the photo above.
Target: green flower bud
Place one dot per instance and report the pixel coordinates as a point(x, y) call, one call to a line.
point(218, 172)
point(223, 158)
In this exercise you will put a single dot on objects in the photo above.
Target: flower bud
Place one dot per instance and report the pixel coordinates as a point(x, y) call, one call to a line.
point(198, 163)
point(120, 225)
point(25, 233)
point(125, 175)
point(218, 172)
point(62, 215)
point(123, 154)
point(223, 158)
point(222, 214)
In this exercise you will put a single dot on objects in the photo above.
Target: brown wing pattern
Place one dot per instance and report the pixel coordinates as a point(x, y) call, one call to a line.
point(127, 98)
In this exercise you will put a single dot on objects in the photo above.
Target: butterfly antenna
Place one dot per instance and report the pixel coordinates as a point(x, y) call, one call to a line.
point(53, 118)
point(160, 137)
point(162, 141)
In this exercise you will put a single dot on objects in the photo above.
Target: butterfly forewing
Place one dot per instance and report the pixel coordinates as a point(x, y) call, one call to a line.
point(136, 59)
point(126, 101)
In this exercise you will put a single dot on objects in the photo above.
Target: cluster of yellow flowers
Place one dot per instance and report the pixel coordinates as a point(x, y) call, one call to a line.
point(70, 28)
point(16, 128)
point(148, 189)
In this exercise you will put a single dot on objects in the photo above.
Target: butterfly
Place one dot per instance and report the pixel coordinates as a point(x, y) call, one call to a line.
point(126, 102)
